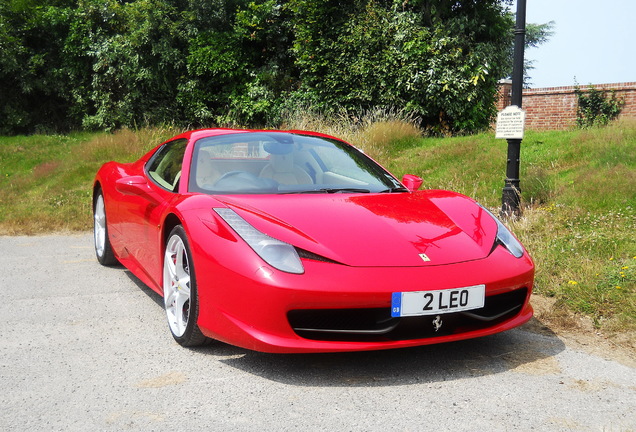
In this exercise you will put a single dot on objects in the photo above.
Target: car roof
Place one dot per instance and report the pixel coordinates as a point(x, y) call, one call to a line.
point(204, 133)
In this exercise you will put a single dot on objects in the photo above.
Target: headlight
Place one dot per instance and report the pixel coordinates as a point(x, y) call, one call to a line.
point(276, 253)
point(505, 237)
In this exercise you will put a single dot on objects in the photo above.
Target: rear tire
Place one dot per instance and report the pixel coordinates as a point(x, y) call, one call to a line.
point(181, 300)
point(103, 248)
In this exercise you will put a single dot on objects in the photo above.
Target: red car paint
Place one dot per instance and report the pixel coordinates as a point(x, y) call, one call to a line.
point(363, 247)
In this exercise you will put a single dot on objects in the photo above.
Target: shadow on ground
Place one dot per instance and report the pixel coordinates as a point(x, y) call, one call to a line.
point(529, 349)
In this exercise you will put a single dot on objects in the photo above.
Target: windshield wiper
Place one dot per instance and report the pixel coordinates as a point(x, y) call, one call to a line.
point(394, 189)
point(344, 189)
point(326, 190)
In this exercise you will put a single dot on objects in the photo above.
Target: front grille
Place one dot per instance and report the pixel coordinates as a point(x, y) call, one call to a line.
point(376, 324)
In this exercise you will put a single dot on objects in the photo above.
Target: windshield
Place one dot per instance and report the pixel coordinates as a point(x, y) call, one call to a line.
point(280, 162)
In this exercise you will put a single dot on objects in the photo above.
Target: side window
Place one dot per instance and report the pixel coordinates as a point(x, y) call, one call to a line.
point(165, 165)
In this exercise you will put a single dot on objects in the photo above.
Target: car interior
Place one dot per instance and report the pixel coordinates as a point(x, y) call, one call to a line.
point(266, 165)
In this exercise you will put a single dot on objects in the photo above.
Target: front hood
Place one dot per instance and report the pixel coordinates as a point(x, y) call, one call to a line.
point(379, 230)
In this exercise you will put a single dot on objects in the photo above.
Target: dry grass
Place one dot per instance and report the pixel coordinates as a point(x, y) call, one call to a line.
point(46, 181)
point(375, 132)
point(123, 144)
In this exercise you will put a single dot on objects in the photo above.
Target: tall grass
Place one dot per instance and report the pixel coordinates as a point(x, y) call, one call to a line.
point(375, 132)
point(578, 190)
point(45, 181)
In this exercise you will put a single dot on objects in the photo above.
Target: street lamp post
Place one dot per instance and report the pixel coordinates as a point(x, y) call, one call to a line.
point(511, 196)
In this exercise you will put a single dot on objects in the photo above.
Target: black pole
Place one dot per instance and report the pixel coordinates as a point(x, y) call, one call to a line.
point(511, 196)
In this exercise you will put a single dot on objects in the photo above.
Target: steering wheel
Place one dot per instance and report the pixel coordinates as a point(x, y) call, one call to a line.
point(230, 174)
point(244, 182)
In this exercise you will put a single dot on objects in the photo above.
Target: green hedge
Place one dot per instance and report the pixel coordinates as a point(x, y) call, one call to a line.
point(104, 64)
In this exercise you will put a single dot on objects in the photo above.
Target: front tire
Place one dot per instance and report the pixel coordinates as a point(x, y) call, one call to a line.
point(103, 248)
point(180, 296)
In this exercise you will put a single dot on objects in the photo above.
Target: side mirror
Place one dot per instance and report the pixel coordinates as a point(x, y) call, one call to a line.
point(136, 186)
point(412, 182)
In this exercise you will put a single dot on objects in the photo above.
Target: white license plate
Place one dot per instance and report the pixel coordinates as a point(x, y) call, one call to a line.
point(437, 302)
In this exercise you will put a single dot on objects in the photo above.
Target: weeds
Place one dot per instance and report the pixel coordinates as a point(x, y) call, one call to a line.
point(584, 260)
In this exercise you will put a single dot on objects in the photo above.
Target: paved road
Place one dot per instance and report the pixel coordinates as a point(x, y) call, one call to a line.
point(87, 348)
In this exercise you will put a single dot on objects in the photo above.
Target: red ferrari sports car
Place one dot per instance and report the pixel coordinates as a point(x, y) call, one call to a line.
point(293, 241)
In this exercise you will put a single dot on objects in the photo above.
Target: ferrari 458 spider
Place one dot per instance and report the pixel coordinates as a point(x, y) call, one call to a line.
point(292, 241)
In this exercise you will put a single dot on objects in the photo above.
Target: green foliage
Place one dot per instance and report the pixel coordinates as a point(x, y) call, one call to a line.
point(30, 35)
point(105, 64)
point(129, 58)
point(440, 64)
point(595, 108)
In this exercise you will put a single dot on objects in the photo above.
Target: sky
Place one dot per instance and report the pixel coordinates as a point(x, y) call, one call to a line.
point(594, 42)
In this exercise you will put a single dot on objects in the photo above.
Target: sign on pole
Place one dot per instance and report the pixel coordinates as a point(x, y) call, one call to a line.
point(511, 122)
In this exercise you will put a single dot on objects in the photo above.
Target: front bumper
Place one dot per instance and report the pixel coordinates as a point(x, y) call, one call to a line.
point(333, 307)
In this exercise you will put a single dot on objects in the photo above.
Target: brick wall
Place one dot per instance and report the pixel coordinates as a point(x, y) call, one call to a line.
point(554, 108)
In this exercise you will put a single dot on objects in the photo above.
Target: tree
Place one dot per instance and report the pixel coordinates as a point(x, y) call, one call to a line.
point(439, 60)
point(30, 66)
point(110, 63)
point(536, 34)
point(126, 60)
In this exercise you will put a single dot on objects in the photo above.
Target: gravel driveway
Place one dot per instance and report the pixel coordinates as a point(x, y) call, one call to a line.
point(87, 348)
